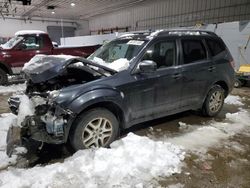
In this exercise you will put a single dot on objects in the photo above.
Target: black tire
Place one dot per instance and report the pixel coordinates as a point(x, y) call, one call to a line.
point(3, 77)
point(237, 83)
point(83, 126)
point(244, 83)
point(209, 108)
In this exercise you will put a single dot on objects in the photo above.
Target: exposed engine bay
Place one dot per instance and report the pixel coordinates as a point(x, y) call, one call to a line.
point(46, 76)
point(48, 73)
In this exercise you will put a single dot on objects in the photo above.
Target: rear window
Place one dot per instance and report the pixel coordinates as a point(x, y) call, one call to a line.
point(193, 50)
point(215, 47)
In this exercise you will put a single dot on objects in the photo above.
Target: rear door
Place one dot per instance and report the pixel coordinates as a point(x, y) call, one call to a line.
point(196, 71)
point(221, 58)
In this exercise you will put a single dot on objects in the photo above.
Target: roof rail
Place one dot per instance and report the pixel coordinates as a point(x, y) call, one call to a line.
point(186, 32)
point(129, 34)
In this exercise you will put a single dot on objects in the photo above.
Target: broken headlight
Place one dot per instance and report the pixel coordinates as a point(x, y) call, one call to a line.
point(54, 94)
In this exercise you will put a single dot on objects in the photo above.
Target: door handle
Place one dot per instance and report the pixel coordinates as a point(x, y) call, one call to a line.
point(176, 76)
point(211, 69)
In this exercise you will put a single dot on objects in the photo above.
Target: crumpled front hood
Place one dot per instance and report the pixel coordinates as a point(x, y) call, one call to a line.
point(45, 67)
point(42, 67)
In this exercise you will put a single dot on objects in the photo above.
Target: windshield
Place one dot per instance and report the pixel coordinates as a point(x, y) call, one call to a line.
point(12, 42)
point(117, 54)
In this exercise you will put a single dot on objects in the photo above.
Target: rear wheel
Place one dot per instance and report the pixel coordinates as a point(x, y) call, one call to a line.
point(3, 77)
point(214, 101)
point(94, 128)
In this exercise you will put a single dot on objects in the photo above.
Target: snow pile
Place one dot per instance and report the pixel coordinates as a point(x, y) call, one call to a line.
point(233, 100)
point(118, 65)
point(6, 121)
point(131, 161)
point(12, 88)
point(26, 108)
point(200, 139)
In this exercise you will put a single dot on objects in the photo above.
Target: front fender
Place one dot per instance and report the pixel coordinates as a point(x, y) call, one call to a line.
point(96, 96)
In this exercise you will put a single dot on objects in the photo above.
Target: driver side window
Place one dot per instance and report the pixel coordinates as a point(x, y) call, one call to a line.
point(30, 43)
point(163, 53)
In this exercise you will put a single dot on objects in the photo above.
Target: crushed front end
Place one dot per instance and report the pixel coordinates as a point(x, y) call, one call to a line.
point(49, 123)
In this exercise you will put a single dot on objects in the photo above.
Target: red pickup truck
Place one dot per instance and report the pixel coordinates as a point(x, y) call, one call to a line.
point(25, 45)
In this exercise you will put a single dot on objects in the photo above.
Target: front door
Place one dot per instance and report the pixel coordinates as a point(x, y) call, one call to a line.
point(156, 94)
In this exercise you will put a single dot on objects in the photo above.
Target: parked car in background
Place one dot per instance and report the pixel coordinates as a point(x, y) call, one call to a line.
point(25, 45)
point(132, 79)
point(242, 76)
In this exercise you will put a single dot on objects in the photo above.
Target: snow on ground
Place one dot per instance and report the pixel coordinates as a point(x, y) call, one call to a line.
point(12, 88)
point(233, 100)
point(133, 160)
point(213, 133)
point(6, 121)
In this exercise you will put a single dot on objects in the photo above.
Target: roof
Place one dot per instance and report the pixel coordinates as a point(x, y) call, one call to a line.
point(28, 32)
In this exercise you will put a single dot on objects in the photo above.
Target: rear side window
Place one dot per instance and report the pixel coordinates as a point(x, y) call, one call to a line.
point(193, 50)
point(215, 47)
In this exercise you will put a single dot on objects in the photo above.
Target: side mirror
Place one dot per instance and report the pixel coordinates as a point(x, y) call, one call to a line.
point(147, 66)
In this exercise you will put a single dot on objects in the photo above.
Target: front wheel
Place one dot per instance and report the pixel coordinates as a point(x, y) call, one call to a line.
point(214, 101)
point(94, 128)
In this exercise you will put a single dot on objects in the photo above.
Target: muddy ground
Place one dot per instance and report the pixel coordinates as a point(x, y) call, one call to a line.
point(223, 166)
point(226, 166)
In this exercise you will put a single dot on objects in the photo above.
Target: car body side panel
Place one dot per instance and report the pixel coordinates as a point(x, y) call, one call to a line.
point(96, 96)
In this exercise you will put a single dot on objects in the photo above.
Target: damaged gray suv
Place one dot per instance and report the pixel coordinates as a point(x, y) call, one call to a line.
point(130, 80)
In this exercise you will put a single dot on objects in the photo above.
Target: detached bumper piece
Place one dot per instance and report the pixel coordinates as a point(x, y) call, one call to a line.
point(13, 139)
point(14, 103)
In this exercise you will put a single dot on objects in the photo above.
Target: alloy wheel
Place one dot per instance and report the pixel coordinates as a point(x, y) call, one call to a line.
point(97, 133)
point(216, 100)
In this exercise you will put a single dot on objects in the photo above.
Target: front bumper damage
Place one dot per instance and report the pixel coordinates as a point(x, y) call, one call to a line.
point(50, 124)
